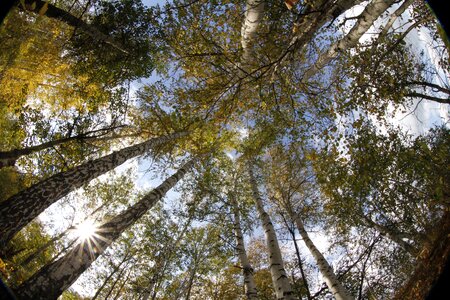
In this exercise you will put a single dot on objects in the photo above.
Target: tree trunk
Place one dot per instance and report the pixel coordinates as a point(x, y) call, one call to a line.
point(53, 12)
point(114, 271)
point(330, 278)
point(191, 282)
point(394, 17)
point(122, 285)
point(254, 12)
point(280, 280)
point(393, 236)
point(297, 252)
point(53, 279)
point(114, 283)
point(372, 11)
point(18, 210)
point(249, 282)
point(314, 17)
point(9, 158)
point(41, 249)
point(163, 263)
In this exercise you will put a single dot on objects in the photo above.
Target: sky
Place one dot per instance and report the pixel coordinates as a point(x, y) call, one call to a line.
point(425, 116)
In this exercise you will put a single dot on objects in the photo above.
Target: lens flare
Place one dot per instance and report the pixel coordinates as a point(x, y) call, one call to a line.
point(86, 230)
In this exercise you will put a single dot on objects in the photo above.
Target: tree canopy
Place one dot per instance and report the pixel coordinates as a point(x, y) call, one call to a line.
point(223, 149)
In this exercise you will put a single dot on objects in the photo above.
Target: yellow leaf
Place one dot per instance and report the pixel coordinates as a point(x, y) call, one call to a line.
point(33, 6)
point(43, 9)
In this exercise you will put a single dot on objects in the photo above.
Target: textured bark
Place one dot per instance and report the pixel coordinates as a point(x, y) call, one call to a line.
point(249, 282)
point(394, 17)
point(393, 236)
point(328, 275)
point(314, 17)
point(20, 209)
point(37, 6)
point(372, 11)
point(44, 247)
point(53, 279)
point(8, 158)
point(280, 280)
point(254, 12)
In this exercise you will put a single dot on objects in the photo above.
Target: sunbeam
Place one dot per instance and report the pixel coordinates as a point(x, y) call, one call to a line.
point(86, 230)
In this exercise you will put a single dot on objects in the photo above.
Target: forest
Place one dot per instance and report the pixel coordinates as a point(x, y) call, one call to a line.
point(223, 149)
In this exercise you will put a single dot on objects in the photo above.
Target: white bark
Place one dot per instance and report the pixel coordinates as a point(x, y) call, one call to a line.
point(254, 12)
point(394, 17)
point(316, 15)
point(372, 11)
point(20, 209)
point(249, 282)
point(332, 282)
point(56, 277)
point(393, 236)
point(280, 280)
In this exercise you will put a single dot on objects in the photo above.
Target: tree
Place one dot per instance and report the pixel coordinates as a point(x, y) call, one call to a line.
point(387, 181)
point(247, 270)
point(9, 158)
point(287, 194)
point(366, 19)
point(51, 11)
point(20, 209)
point(280, 280)
point(291, 79)
point(56, 277)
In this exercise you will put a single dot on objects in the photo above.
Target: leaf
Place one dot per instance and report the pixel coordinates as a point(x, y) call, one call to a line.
point(33, 6)
point(43, 9)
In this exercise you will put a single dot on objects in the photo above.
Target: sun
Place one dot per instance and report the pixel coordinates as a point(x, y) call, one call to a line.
point(86, 230)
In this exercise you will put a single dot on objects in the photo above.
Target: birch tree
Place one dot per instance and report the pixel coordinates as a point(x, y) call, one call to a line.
point(49, 10)
point(365, 20)
point(20, 209)
point(280, 280)
point(287, 185)
point(326, 270)
point(247, 270)
point(9, 158)
point(56, 277)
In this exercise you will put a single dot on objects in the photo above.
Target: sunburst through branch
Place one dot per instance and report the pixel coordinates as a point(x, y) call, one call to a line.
point(86, 230)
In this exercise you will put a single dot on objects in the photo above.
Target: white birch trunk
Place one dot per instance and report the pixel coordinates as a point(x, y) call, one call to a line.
point(332, 282)
point(250, 286)
point(372, 11)
point(55, 278)
point(254, 12)
point(315, 17)
point(280, 280)
point(394, 17)
point(393, 236)
point(20, 209)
